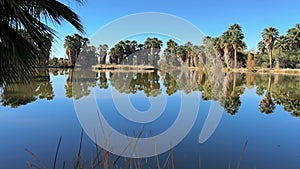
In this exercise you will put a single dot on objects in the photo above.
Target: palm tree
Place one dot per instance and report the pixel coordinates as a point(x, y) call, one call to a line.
point(73, 45)
point(172, 46)
point(236, 37)
point(182, 53)
point(293, 36)
point(154, 45)
point(18, 55)
point(112, 56)
point(140, 54)
point(103, 53)
point(226, 44)
point(261, 47)
point(216, 44)
point(269, 36)
point(171, 50)
point(120, 50)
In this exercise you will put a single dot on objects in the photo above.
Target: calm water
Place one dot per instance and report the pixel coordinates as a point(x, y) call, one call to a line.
point(262, 110)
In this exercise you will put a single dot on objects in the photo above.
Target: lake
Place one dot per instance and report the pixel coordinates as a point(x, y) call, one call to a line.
point(196, 120)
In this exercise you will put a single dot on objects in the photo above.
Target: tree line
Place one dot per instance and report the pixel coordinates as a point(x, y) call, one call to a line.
point(273, 50)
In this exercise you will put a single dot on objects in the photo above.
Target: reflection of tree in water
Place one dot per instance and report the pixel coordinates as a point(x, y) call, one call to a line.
point(58, 71)
point(79, 82)
point(283, 90)
point(266, 105)
point(103, 84)
point(182, 80)
point(233, 89)
point(22, 93)
point(286, 92)
point(131, 82)
point(170, 84)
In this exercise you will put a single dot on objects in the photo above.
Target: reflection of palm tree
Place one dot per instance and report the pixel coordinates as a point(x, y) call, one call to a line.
point(266, 105)
point(17, 94)
point(292, 106)
point(131, 82)
point(232, 104)
point(103, 81)
point(233, 91)
point(170, 84)
point(78, 84)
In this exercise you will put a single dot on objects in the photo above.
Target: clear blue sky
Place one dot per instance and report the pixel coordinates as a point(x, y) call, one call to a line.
point(211, 17)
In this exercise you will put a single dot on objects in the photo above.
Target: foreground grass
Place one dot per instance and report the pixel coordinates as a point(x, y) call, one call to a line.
point(106, 160)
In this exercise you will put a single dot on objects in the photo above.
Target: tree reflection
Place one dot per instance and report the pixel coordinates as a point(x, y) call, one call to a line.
point(22, 93)
point(103, 84)
point(233, 85)
point(79, 82)
point(281, 90)
point(266, 105)
point(131, 82)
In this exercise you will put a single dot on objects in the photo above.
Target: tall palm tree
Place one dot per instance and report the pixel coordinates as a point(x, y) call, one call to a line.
point(171, 50)
point(182, 53)
point(226, 44)
point(216, 44)
point(154, 45)
point(73, 45)
point(236, 39)
point(269, 36)
point(112, 56)
point(172, 46)
point(282, 45)
point(18, 55)
point(103, 53)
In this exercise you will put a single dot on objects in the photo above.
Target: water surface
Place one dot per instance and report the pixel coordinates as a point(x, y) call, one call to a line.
point(262, 110)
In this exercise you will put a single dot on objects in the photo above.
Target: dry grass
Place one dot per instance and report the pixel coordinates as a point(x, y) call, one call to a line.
point(106, 160)
point(132, 67)
point(264, 70)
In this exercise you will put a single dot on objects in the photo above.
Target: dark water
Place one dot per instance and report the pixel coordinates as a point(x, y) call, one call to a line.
point(260, 122)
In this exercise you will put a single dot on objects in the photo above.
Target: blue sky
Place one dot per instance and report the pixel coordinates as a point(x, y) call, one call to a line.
point(211, 17)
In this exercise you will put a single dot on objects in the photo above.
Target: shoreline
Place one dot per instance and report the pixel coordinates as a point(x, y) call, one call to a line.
point(287, 71)
point(265, 71)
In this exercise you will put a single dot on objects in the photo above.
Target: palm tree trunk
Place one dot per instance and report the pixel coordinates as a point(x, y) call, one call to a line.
point(235, 58)
point(269, 84)
point(270, 58)
point(234, 84)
